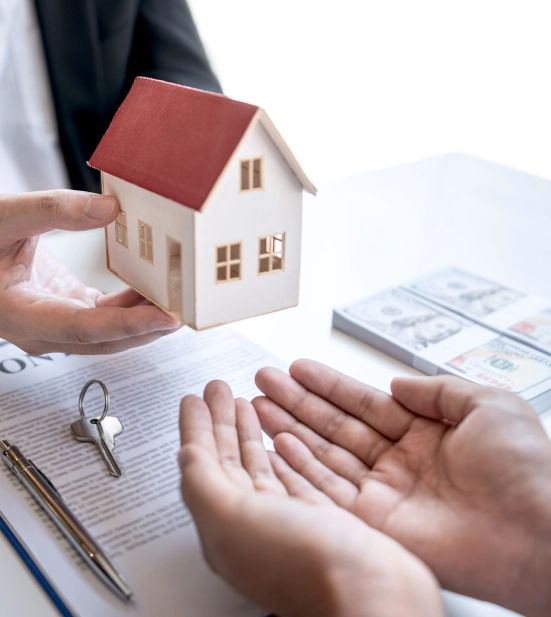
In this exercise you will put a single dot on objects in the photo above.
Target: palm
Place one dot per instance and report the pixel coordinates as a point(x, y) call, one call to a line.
point(45, 277)
point(426, 466)
point(41, 306)
point(439, 488)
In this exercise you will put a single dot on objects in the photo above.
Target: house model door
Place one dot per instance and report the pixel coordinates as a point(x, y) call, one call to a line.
point(174, 275)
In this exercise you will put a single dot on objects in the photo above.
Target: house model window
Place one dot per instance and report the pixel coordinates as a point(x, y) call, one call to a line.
point(271, 251)
point(121, 231)
point(251, 174)
point(146, 241)
point(228, 262)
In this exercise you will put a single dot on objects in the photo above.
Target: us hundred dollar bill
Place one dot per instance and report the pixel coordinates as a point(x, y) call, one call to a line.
point(473, 295)
point(404, 319)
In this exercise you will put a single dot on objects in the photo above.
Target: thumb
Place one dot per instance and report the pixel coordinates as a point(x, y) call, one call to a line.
point(31, 214)
point(440, 398)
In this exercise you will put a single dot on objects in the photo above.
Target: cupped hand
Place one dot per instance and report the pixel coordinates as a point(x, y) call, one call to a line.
point(43, 307)
point(457, 473)
point(275, 537)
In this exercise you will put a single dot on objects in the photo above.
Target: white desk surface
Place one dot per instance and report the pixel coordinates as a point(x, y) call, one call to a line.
point(369, 232)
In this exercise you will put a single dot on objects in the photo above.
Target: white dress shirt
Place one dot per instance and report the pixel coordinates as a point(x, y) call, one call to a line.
point(30, 156)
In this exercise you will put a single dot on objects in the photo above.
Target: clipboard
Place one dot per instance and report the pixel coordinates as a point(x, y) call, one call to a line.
point(27, 558)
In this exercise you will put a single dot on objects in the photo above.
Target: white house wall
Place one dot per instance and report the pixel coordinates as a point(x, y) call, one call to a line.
point(233, 216)
point(166, 218)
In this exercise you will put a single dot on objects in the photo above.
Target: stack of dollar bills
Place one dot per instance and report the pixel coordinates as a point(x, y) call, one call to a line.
point(455, 322)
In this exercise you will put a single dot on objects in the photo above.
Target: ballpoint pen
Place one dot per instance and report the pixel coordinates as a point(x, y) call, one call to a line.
point(50, 500)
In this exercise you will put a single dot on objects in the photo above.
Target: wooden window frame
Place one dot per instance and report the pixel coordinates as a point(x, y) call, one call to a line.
point(121, 229)
point(251, 174)
point(228, 263)
point(145, 245)
point(270, 253)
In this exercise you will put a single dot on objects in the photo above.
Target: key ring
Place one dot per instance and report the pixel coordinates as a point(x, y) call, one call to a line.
point(105, 399)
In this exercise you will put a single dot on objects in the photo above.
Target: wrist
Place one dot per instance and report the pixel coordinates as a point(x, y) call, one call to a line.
point(530, 593)
point(398, 588)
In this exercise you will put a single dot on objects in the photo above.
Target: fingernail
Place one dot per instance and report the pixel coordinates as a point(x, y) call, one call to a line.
point(100, 206)
point(171, 325)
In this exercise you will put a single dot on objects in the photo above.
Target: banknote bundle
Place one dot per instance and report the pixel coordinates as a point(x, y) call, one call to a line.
point(436, 340)
point(524, 317)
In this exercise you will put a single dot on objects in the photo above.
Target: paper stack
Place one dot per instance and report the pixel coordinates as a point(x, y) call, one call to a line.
point(436, 340)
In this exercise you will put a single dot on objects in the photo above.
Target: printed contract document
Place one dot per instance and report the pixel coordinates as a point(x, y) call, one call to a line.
point(140, 518)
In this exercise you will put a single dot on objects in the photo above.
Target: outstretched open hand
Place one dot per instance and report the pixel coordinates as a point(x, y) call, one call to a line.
point(457, 473)
point(43, 307)
point(278, 539)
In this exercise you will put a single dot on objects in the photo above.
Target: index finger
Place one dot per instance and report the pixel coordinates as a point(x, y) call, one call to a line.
point(253, 453)
point(219, 398)
point(302, 409)
point(373, 407)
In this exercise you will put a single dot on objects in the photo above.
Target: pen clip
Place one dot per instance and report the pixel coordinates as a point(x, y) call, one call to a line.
point(45, 477)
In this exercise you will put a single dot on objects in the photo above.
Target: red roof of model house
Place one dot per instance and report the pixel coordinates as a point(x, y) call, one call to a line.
point(176, 141)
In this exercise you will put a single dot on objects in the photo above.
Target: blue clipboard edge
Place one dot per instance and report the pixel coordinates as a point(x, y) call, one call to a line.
point(21, 549)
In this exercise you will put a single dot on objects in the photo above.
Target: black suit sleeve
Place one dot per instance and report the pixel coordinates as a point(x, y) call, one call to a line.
point(94, 51)
point(167, 46)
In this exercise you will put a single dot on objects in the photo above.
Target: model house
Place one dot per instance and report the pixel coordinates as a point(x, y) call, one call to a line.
point(211, 204)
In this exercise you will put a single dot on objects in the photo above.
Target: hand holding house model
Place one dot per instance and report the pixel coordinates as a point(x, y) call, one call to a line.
point(211, 204)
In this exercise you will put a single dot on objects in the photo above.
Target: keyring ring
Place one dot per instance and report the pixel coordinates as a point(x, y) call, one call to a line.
point(105, 399)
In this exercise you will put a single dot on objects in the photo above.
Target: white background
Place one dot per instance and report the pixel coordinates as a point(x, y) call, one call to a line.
point(357, 85)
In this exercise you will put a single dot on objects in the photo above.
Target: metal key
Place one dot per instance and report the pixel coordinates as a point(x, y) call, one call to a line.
point(101, 431)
